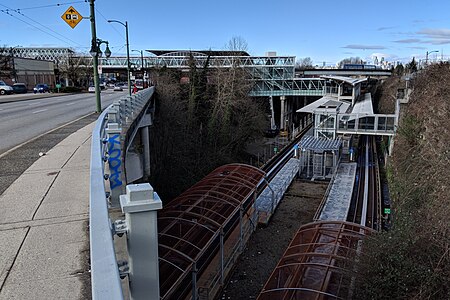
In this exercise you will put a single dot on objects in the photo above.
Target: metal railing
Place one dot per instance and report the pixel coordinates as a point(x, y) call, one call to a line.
point(107, 154)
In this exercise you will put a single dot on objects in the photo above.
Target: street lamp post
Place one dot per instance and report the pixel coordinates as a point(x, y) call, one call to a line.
point(128, 52)
point(142, 59)
point(142, 65)
point(426, 61)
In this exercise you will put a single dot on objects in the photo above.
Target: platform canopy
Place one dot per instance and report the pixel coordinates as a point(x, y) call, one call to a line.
point(349, 80)
point(309, 142)
point(363, 106)
point(318, 263)
point(326, 102)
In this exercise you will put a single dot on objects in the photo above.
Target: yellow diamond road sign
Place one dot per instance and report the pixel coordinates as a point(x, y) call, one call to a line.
point(72, 17)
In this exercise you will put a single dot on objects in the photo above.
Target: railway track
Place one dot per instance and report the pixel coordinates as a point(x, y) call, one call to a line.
point(273, 165)
point(365, 208)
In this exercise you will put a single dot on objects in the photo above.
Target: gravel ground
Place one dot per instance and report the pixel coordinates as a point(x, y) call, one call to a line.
point(267, 244)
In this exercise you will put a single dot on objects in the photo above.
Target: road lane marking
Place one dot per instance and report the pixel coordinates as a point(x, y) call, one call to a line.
point(38, 111)
point(70, 103)
point(34, 103)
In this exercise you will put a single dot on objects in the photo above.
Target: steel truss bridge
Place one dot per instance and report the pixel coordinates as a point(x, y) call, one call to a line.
point(272, 75)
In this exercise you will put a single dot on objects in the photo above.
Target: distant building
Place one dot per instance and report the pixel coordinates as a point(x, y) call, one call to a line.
point(33, 71)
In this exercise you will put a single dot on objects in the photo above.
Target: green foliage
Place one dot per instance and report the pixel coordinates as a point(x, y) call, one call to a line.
point(68, 89)
point(412, 66)
point(399, 70)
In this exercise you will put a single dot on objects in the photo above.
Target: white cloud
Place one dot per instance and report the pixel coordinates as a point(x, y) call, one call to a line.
point(408, 41)
point(435, 36)
point(364, 47)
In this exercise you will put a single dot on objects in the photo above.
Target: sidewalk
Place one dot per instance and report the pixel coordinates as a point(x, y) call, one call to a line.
point(44, 225)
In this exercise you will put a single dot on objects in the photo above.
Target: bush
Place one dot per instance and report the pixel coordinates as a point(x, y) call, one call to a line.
point(68, 89)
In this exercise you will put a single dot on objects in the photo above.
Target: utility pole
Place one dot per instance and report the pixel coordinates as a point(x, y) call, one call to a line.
point(128, 60)
point(95, 59)
point(426, 61)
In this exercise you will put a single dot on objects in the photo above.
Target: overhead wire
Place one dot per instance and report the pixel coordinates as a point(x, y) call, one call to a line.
point(51, 5)
point(11, 12)
point(115, 29)
point(8, 10)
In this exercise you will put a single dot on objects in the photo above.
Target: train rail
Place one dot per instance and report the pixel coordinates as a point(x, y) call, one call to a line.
point(273, 165)
point(365, 208)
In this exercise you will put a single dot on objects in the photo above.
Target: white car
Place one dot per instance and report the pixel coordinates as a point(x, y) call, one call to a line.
point(5, 89)
point(118, 88)
point(91, 89)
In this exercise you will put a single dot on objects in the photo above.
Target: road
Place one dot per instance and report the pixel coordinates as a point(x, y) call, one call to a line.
point(23, 120)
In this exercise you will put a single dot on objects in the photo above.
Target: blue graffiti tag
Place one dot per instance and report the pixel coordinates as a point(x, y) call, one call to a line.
point(115, 161)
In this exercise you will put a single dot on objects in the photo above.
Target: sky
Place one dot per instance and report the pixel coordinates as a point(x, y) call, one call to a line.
point(327, 31)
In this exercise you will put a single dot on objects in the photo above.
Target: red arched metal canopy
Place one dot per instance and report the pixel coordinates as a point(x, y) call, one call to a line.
point(316, 262)
point(190, 226)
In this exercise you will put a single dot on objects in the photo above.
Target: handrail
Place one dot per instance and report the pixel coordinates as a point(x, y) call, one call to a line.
point(105, 275)
point(104, 271)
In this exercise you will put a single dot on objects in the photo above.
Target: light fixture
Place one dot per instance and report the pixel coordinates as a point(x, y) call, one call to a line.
point(107, 51)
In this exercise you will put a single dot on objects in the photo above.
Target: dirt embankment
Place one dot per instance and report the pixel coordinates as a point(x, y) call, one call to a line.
point(267, 244)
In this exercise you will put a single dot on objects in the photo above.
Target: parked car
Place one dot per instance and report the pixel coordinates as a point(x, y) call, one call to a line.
point(20, 88)
point(91, 89)
point(118, 87)
point(5, 89)
point(41, 88)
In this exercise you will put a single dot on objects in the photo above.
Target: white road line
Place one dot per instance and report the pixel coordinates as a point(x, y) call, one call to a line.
point(38, 111)
point(34, 103)
point(70, 103)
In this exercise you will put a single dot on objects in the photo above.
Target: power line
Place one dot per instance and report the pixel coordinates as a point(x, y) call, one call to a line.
point(51, 5)
point(8, 10)
point(115, 29)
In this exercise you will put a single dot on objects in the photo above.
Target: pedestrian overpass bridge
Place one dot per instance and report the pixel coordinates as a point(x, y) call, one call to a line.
point(272, 75)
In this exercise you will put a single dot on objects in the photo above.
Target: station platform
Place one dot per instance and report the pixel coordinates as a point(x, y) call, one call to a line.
point(338, 201)
point(271, 196)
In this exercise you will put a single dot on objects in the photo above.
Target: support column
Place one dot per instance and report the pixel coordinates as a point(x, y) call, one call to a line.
point(272, 113)
point(146, 143)
point(140, 205)
point(282, 120)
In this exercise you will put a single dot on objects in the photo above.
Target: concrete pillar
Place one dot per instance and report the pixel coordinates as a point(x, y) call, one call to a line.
point(140, 205)
point(146, 143)
point(282, 120)
point(272, 113)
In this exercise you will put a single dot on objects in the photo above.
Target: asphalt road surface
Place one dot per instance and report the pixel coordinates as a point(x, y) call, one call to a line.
point(24, 120)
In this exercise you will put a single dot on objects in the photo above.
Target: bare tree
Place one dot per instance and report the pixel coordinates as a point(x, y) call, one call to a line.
point(350, 60)
point(237, 43)
point(201, 125)
point(304, 63)
point(6, 68)
point(77, 69)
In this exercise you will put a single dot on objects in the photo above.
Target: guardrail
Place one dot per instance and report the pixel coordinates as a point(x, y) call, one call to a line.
point(113, 130)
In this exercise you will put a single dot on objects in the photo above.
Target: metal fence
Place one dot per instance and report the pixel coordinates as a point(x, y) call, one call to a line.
point(114, 130)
